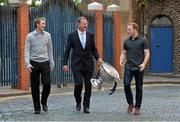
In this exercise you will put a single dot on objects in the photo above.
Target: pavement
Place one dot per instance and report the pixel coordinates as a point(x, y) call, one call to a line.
point(161, 100)
point(160, 103)
point(8, 91)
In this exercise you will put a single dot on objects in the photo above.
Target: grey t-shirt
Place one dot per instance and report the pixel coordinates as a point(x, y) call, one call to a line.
point(134, 52)
point(38, 47)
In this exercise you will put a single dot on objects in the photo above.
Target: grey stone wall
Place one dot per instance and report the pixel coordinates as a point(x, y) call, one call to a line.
point(170, 8)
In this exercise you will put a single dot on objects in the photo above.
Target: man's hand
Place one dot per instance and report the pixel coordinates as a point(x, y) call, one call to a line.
point(122, 62)
point(123, 58)
point(51, 69)
point(29, 66)
point(65, 68)
point(142, 67)
point(99, 61)
point(146, 58)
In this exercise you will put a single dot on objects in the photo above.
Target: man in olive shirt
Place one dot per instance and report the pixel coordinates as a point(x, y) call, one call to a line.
point(135, 56)
point(39, 62)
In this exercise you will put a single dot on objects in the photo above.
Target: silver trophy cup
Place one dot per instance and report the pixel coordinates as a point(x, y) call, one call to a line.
point(106, 73)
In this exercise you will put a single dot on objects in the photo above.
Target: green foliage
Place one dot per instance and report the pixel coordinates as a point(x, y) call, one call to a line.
point(4, 2)
point(76, 2)
point(33, 4)
point(143, 3)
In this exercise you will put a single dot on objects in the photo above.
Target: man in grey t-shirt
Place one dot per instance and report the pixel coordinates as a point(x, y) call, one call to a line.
point(39, 62)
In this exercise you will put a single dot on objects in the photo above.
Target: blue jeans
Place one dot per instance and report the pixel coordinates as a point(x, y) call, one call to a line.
point(128, 75)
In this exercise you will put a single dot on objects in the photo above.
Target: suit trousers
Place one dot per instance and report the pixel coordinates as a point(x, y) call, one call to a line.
point(40, 69)
point(79, 77)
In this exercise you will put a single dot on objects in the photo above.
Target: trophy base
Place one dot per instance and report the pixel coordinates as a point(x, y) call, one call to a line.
point(97, 84)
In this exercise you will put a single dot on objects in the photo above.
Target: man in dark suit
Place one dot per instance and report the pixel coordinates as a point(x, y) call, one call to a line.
point(83, 48)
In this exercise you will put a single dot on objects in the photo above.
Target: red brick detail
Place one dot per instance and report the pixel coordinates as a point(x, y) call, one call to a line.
point(99, 36)
point(117, 41)
point(23, 30)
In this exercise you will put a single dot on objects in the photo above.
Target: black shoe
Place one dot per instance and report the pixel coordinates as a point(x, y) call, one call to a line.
point(45, 108)
point(78, 107)
point(86, 110)
point(37, 112)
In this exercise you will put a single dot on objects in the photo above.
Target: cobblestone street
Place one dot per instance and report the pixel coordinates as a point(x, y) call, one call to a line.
point(160, 102)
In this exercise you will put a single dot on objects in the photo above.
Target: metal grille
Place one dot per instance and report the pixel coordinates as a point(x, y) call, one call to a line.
point(61, 16)
point(61, 20)
point(8, 46)
point(108, 43)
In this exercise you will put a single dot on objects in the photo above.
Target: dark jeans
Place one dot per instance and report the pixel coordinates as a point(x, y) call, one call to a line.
point(40, 69)
point(78, 77)
point(128, 75)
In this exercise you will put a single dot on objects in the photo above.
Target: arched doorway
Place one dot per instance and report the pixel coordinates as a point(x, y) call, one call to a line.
point(161, 45)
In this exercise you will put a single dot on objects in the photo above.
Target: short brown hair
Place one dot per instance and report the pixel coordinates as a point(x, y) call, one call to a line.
point(134, 25)
point(80, 18)
point(37, 21)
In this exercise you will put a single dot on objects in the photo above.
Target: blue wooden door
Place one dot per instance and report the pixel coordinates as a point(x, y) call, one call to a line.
point(161, 49)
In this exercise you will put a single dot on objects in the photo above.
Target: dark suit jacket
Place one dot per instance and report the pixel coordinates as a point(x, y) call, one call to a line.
point(81, 59)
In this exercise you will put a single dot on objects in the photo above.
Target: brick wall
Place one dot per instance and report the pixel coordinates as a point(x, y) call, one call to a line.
point(99, 38)
point(169, 8)
point(117, 40)
point(23, 30)
point(135, 17)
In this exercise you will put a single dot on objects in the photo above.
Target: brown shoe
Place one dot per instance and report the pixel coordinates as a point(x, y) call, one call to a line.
point(130, 108)
point(137, 111)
